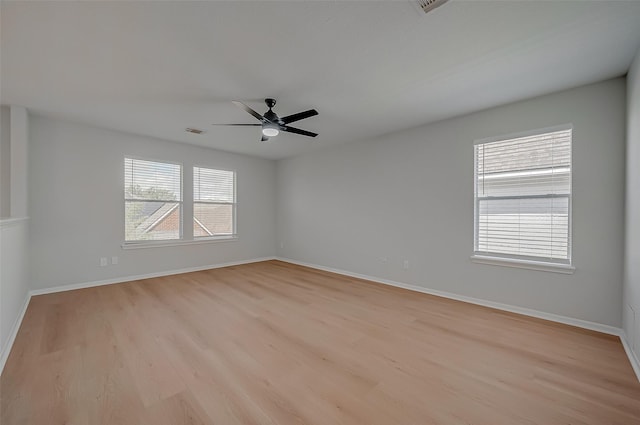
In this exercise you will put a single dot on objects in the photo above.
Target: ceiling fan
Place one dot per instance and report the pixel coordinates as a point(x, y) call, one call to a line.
point(272, 124)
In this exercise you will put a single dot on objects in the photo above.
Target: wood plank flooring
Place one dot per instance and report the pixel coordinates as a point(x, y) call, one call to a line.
point(274, 343)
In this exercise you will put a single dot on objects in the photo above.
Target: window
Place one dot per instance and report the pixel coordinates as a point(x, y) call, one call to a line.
point(214, 202)
point(523, 197)
point(153, 200)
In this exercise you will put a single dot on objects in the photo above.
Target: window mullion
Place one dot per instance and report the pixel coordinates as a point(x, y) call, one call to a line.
point(187, 207)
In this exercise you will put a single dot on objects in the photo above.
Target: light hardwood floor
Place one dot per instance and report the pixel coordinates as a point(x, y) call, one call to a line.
point(274, 343)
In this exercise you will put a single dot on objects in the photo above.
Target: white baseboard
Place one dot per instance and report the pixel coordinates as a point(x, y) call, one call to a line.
point(143, 276)
point(598, 327)
point(4, 355)
point(611, 330)
point(633, 359)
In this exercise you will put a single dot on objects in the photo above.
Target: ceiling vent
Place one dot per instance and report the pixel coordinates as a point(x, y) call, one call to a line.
point(428, 5)
point(194, 130)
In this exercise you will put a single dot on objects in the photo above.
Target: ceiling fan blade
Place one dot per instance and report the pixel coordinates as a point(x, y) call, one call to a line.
point(298, 131)
point(264, 138)
point(249, 110)
point(299, 116)
point(251, 125)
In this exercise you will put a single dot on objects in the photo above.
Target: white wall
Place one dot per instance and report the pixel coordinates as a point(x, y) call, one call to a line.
point(5, 162)
point(14, 226)
point(631, 304)
point(14, 279)
point(77, 206)
point(409, 195)
point(19, 161)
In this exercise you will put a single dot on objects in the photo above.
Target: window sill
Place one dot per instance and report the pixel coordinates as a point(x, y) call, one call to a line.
point(524, 264)
point(12, 221)
point(161, 244)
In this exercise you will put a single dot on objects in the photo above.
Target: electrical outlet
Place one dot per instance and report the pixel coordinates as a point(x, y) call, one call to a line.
point(405, 265)
point(103, 261)
point(281, 245)
point(114, 260)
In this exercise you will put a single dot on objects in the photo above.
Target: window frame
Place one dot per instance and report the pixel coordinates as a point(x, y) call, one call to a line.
point(234, 204)
point(131, 243)
point(159, 243)
point(523, 261)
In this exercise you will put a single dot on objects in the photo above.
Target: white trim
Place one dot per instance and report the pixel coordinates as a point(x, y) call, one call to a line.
point(633, 359)
point(524, 264)
point(143, 276)
point(12, 221)
point(6, 350)
point(584, 324)
point(160, 243)
point(598, 327)
point(515, 136)
point(611, 330)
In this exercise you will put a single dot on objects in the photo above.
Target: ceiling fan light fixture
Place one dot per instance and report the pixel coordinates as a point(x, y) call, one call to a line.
point(270, 131)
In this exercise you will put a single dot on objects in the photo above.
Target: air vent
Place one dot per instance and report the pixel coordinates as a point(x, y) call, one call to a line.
point(428, 5)
point(194, 130)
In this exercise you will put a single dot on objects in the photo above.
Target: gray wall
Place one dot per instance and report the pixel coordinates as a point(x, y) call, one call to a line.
point(77, 207)
point(366, 207)
point(631, 304)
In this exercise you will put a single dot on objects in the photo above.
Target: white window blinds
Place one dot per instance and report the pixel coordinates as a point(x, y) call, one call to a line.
point(214, 202)
point(153, 200)
point(523, 197)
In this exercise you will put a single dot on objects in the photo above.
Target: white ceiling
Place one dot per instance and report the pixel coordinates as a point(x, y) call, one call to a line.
point(369, 68)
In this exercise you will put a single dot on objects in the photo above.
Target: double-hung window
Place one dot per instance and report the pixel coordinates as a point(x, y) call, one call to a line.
point(153, 203)
point(153, 200)
point(214, 202)
point(523, 198)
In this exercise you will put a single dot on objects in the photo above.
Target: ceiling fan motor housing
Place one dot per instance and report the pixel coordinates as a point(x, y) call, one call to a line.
point(270, 115)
